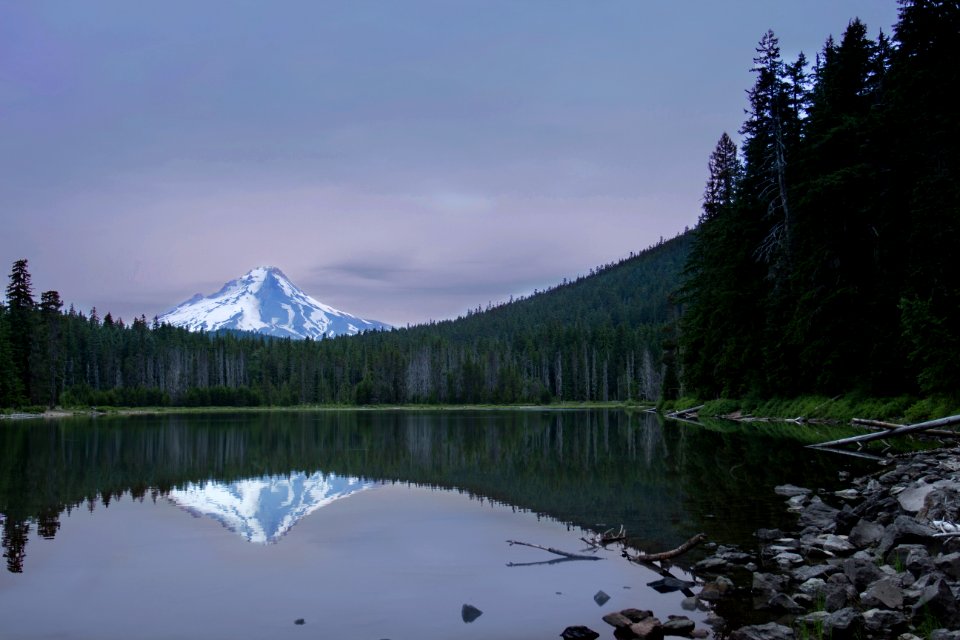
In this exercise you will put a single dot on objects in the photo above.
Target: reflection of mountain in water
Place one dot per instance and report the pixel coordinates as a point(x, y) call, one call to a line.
point(263, 509)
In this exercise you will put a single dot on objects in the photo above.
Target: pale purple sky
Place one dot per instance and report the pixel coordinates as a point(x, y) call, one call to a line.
point(398, 160)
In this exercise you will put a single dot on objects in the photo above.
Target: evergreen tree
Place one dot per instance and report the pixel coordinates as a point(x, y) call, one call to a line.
point(20, 305)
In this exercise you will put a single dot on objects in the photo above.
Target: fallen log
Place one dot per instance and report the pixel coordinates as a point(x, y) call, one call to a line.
point(684, 412)
point(890, 426)
point(899, 431)
point(558, 552)
point(665, 555)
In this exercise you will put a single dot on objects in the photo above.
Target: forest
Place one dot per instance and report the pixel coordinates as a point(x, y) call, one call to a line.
point(822, 261)
point(821, 264)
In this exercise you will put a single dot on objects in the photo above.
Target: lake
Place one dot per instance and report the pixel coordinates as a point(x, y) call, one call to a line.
point(370, 524)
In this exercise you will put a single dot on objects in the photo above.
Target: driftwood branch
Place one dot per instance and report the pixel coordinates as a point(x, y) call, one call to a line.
point(558, 552)
point(666, 555)
point(607, 537)
point(913, 428)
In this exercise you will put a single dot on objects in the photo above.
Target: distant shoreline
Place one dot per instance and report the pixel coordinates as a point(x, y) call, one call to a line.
point(55, 414)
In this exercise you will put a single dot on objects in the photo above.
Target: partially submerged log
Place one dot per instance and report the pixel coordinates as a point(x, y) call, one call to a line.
point(890, 426)
point(665, 555)
point(685, 412)
point(899, 431)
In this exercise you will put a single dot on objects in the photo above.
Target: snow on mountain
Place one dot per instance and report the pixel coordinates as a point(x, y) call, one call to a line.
point(265, 301)
point(263, 509)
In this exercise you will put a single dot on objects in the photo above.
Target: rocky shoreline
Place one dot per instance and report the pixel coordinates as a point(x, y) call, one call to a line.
point(870, 561)
point(878, 560)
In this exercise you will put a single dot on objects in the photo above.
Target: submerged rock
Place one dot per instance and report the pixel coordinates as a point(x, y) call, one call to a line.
point(469, 613)
point(579, 633)
point(678, 626)
point(789, 490)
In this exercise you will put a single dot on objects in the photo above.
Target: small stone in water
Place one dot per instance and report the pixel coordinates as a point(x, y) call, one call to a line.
point(299, 621)
point(469, 613)
point(601, 598)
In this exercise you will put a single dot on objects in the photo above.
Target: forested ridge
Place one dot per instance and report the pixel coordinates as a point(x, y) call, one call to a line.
point(823, 261)
point(599, 337)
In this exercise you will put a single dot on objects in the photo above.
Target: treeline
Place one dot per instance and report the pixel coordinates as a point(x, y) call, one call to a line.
point(823, 260)
point(597, 338)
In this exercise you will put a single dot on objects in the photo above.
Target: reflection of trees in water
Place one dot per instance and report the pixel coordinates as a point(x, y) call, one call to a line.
point(589, 468)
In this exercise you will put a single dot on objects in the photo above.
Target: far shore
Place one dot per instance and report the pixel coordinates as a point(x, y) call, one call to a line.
point(58, 413)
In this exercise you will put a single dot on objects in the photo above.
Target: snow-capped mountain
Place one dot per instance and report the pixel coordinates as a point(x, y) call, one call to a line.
point(265, 301)
point(263, 509)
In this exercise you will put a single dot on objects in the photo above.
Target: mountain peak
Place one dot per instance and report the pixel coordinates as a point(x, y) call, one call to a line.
point(265, 300)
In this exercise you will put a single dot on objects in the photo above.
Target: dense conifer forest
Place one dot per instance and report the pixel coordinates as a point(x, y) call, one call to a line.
point(822, 263)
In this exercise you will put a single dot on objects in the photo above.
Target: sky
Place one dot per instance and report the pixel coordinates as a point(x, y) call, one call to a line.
point(399, 160)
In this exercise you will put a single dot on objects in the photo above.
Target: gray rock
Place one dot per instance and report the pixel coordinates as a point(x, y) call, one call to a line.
point(865, 534)
point(847, 494)
point(885, 592)
point(834, 544)
point(949, 564)
point(769, 631)
point(299, 621)
point(796, 503)
point(711, 564)
point(670, 584)
point(767, 585)
point(636, 615)
point(579, 633)
point(735, 557)
point(768, 535)
point(911, 499)
point(714, 620)
point(938, 599)
point(838, 596)
point(813, 618)
point(903, 529)
point(783, 602)
point(617, 620)
point(944, 634)
point(883, 619)
point(943, 503)
point(678, 626)
point(861, 573)
point(789, 491)
point(802, 574)
point(700, 634)
point(843, 624)
point(716, 589)
point(813, 587)
point(787, 559)
point(898, 555)
point(647, 629)
point(819, 515)
point(918, 562)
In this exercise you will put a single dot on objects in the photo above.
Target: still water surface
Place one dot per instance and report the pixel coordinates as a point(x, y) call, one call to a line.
point(366, 524)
